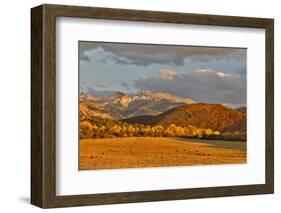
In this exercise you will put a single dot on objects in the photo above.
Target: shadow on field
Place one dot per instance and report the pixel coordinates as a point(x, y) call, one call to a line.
point(241, 145)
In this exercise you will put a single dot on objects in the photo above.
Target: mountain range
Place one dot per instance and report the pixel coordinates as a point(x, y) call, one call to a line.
point(119, 105)
point(152, 108)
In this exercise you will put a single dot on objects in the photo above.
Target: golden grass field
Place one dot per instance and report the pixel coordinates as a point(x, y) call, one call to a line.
point(140, 152)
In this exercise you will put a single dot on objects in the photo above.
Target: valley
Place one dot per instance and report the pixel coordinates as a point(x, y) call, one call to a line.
point(151, 129)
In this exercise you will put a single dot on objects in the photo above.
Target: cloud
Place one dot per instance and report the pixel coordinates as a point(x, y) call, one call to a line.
point(87, 84)
point(203, 85)
point(223, 75)
point(84, 57)
point(125, 85)
point(242, 72)
point(167, 74)
point(144, 54)
point(99, 85)
point(219, 74)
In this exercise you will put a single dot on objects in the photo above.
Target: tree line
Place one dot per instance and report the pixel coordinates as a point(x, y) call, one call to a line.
point(99, 127)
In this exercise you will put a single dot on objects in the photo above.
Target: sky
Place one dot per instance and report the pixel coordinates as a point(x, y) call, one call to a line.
point(205, 74)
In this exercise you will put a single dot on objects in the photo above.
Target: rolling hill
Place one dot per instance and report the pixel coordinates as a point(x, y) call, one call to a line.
point(213, 116)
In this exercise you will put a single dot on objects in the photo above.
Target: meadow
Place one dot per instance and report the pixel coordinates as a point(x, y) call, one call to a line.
point(140, 152)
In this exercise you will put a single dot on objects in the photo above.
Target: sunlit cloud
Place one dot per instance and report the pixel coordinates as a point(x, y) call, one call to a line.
point(167, 74)
point(203, 85)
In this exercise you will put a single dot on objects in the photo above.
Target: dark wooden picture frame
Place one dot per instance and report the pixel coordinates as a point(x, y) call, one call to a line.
point(43, 105)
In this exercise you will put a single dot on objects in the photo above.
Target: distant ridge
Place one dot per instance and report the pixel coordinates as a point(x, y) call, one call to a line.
point(213, 116)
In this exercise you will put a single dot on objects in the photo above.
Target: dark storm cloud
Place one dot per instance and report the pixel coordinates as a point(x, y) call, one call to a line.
point(82, 48)
point(83, 57)
point(204, 85)
point(144, 55)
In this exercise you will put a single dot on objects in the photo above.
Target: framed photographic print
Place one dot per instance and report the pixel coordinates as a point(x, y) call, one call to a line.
point(136, 106)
